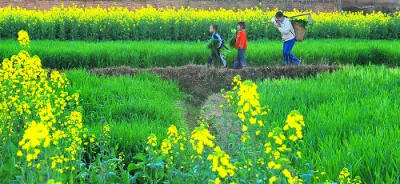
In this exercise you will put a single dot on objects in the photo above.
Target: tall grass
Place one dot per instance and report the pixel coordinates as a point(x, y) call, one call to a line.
point(135, 107)
point(352, 119)
point(80, 54)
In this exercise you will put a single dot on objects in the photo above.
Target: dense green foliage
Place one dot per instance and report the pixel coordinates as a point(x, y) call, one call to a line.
point(133, 106)
point(78, 54)
point(352, 120)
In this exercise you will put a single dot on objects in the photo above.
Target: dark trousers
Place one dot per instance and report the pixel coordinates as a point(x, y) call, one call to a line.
point(241, 59)
point(216, 55)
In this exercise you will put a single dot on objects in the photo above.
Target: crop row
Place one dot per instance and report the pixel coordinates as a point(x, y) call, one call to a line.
point(75, 23)
point(144, 54)
point(135, 106)
point(349, 116)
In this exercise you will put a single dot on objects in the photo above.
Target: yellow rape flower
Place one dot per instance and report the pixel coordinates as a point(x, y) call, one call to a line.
point(220, 163)
point(273, 179)
point(23, 38)
point(38, 102)
point(244, 128)
point(201, 137)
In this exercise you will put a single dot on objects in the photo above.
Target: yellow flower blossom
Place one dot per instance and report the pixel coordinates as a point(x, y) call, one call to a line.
point(201, 137)
point(23, 38)
point(273, 179)
point(221, 164)
point(244, 128)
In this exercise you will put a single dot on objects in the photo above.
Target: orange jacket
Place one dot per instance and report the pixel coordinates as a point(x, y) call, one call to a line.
point(241, 40)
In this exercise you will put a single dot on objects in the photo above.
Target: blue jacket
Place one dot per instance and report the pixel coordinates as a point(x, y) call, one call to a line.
point(219, 38)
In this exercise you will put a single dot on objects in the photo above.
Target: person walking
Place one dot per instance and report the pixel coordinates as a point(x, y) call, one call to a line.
point(217, 55)
point(241, 46)
point(283, 24)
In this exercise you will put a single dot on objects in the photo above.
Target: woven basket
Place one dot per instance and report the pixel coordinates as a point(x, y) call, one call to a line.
point(299, 30)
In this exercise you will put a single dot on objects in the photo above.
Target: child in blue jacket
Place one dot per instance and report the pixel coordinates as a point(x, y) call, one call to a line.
point(217, 55)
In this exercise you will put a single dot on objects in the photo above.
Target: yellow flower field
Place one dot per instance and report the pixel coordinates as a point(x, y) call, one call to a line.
point(76, 23)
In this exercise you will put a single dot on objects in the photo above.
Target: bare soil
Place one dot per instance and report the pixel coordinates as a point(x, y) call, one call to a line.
point(222, 124)
point(202, 81)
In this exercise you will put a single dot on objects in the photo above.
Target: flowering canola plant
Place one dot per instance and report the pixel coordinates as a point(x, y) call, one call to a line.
point(37, 109)
point(115, 23)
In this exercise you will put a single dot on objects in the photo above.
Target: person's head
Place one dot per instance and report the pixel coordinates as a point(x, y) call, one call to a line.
point(279, 16)
point(241, 26)
point(213, 28)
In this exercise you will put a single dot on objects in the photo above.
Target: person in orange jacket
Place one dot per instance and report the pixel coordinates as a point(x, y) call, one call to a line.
point(241, 45)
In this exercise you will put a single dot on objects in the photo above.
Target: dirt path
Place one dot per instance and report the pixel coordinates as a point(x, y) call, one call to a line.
point(221, 122)
point(202, 82)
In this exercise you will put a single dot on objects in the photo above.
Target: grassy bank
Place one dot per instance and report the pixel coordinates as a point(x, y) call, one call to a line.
point(80, 54)
point(352, 120)
point(135, 107)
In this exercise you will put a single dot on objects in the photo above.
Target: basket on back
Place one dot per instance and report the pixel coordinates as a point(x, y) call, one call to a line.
point(300, 25)
point(299, 30)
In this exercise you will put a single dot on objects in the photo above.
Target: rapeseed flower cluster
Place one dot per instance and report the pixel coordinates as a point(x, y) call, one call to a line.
point(201, 137)
point(296, 123)
point(23, 38)
point(151, 141)
point(244, 99)
point(35, 137)
point(198, 148)
point(106, 131)
point(221, 164)
point(345, 177)
point(37, 104)
point(275, 159)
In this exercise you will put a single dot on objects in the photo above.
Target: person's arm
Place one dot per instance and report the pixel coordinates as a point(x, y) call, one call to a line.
point(221, 42)
point(285, 28)
point(273, 20)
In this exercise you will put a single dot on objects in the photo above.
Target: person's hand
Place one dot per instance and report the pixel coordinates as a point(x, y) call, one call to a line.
point(277, 24)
